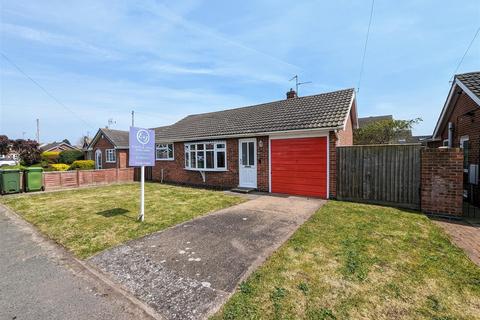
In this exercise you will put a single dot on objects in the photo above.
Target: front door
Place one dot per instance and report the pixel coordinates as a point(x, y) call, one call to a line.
point(247, 150)
point(98, 159)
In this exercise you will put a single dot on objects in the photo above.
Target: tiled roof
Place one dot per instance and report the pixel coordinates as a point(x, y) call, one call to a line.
point(326, 110)
point(471, 80)
point(362, 122)
point(118, 137)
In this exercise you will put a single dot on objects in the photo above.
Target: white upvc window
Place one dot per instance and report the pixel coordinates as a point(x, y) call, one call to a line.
point(206, 156)
point(110, 155)
point(164, 151)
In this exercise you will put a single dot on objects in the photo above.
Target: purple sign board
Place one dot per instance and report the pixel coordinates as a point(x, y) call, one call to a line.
point(142, 147)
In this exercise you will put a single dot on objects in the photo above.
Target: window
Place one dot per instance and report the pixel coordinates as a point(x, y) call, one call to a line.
point(464, 146)
point(445, 143)
point(164, 151)
point(208, 156)
point(110, 155)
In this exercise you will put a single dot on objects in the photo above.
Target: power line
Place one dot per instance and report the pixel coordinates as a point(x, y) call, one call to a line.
point(466, 51)
point(365, 46)
point(44, 90)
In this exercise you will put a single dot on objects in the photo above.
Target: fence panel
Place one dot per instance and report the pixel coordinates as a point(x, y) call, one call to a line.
point(72, 179)
point(383, 174)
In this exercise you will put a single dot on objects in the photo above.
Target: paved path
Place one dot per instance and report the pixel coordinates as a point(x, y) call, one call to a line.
point(465, 235)
point(190, 270)
point(40, 281)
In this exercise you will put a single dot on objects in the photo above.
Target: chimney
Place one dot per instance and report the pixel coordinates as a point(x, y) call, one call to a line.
point(291, 94)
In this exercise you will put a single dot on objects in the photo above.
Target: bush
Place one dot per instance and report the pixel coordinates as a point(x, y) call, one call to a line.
point(15, 167)
point(83, 165)
point(59, 166)
point(50, 156)
point(69, 156)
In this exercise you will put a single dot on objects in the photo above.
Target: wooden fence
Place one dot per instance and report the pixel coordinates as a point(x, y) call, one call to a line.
point(79, 178)
point(383, 174)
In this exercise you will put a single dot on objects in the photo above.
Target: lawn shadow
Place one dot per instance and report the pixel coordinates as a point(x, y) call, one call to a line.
point(114, 212)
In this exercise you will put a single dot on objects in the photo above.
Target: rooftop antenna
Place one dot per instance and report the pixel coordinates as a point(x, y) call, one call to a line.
point(111, 122)
point(298, 83)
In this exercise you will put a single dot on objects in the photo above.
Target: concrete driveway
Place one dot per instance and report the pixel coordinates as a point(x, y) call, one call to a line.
point(190, 270)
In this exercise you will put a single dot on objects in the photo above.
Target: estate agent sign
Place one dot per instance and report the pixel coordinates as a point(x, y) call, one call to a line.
point(141, 154)
point(142, 147)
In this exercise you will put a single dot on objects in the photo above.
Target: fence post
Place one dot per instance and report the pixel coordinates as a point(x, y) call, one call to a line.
point(78, 178)
point(116, 174)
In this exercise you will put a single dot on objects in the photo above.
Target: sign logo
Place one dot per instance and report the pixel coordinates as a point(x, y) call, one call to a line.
point(143, 137)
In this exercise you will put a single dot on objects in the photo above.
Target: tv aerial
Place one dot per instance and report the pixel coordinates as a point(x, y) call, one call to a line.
point(297, 83)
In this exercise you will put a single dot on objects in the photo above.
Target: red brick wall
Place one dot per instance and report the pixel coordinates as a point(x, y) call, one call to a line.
point(442, 181)
point(174, 171)
point(263, 173)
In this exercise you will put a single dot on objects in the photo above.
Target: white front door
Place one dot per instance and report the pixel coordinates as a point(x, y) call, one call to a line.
point(247, 156)
point(98, 159)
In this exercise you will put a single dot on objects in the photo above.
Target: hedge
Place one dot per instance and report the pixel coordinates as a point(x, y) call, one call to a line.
point(83, 165)
point(69, 156)
point(59, 166)
point(50, 156)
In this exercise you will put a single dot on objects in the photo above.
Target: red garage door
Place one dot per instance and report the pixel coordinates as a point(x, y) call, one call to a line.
point(299, 166)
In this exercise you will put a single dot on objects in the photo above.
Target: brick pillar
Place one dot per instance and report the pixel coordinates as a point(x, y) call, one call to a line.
point(442, 181)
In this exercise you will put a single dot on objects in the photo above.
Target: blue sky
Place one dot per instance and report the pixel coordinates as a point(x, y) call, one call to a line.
point(169, 59)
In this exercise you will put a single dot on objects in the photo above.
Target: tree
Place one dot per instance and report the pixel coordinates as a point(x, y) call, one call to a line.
point(27, 150)
point(5, 144)
point(384, 131)
point(66, 141)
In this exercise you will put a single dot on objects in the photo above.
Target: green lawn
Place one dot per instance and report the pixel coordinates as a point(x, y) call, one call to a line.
point(90, 220)
point(356, 261)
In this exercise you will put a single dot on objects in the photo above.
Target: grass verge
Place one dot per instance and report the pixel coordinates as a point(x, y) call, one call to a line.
point(357, 261)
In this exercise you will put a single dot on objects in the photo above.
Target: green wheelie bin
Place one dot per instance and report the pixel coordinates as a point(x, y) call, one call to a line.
point(9, 181)
point(33, 179)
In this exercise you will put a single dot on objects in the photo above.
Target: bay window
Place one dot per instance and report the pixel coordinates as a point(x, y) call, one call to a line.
point(206, 156)
point(164, 151)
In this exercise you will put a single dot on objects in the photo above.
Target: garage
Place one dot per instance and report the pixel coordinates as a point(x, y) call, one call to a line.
point(299, 166)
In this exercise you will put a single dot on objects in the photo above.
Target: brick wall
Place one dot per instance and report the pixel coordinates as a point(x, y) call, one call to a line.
point(263, 173)
point(442, 181)
point(73, 179)
point(174, 170)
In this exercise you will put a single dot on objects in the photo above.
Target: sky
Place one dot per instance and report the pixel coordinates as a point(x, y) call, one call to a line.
point(98, 60)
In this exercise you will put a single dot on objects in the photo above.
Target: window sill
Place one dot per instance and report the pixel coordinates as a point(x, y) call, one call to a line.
point(170, 159)
point(206, 170)
point(110, 161)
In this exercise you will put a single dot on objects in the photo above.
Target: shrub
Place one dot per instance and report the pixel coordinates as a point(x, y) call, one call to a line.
point(69, 156)
point(59, 166)
point(50, 156)
point(83, 165)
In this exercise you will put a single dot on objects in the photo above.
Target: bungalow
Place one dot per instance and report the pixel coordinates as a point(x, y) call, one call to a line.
point(109, 149)
point(57, 146)
point(286, 146)
point(459, 127)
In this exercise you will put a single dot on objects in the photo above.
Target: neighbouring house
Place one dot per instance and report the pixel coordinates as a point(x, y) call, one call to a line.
point(459, 127)
point(365, 121)
point(109, 149)
point(286, 146)
point(403, 137)
point(57, 147)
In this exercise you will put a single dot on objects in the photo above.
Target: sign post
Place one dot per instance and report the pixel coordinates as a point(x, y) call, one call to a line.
point(141, 154)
